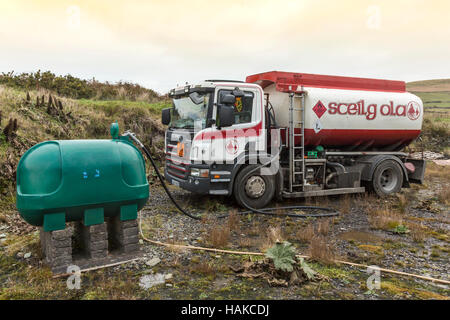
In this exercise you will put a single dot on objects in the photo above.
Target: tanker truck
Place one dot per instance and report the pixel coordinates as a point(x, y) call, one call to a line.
point(291, 135)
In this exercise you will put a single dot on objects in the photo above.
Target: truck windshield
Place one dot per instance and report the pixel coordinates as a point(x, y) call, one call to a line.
point(190, 110)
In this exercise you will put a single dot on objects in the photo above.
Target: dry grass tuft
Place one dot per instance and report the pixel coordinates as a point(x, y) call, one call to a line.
point(418, 232)
point(323, 227)
point(322, 249)
point(384, 218)
point(402, 203)
point(246, 242)
point(219, 236)
point(203, 268)
point(434, 170)
point(233, 220)
point(444, 196)
point(305, 234)
point(345, 204)
point(273, 235)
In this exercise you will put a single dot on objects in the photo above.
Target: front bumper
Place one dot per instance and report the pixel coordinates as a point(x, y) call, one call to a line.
point(198, 185)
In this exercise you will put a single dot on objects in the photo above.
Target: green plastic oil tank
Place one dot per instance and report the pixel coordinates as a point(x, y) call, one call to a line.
point(80, 180)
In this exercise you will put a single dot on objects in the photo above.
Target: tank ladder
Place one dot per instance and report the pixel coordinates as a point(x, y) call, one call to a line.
point(294, 123)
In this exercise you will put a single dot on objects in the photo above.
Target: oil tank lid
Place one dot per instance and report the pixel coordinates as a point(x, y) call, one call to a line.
point(114, 129)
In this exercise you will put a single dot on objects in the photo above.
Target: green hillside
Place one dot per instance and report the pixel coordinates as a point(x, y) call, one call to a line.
point(30, 117)
point(429, 85)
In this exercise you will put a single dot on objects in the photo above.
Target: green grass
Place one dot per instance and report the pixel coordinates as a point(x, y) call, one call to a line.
point(434, 99)
point(113, 106)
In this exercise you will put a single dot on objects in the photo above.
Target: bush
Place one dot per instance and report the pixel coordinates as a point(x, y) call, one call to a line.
point(72, 87)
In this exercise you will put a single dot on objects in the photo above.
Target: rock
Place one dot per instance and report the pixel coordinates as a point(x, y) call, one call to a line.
point(169, 285)
point(19, 254)
point(27, 255)
point(168, 276)
point(153, 262)
point(2, 235)
point(141, 241)
point(149, 281)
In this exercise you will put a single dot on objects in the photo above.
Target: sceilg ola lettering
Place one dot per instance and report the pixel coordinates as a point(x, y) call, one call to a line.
point(369, 110)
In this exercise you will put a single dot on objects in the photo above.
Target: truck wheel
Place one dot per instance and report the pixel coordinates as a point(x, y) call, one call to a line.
point(254, 190)
point(387, 178)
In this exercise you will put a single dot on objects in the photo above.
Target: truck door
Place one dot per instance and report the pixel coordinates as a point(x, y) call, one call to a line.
point(228, 144)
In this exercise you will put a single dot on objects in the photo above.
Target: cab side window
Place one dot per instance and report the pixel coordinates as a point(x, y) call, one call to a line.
point(243, 107)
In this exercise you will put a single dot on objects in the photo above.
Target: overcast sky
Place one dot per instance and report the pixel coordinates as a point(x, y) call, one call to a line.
point(160, 44)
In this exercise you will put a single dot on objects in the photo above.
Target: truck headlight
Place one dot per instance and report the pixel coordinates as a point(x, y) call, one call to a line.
point(203, 173)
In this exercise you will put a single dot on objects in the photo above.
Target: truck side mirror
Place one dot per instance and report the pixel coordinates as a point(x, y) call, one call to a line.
point(165, 116)
point(226, 116)
point(227, 99)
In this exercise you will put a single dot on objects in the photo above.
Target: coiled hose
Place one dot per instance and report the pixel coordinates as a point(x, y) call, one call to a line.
point(329, 212)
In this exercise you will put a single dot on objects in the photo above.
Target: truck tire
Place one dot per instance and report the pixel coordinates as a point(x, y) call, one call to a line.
point(256, 191)
point(387, 178)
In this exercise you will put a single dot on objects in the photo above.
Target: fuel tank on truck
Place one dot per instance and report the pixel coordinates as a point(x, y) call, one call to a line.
point(343, 112)
point(80, 180)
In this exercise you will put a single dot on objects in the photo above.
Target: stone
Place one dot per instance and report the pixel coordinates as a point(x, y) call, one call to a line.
point(124, 235)
point(130, 247)
point(153, 262)
point(2, 235)
point(128, 240)
point(57, 248)
point(94, 239)
point(98, 254)
point(168, 276)
point(151, 280)
point(61, 234)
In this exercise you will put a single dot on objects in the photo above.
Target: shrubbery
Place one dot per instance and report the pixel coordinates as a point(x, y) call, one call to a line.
point(76, 88)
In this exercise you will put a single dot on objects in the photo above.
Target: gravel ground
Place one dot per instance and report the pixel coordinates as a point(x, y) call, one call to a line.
point(162, 222)
point(191, 274)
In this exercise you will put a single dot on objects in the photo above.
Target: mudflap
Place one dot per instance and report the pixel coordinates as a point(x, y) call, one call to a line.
point(279, 185)
point(419, 170)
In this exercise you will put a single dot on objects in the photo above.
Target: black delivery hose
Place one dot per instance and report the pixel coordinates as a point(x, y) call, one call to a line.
point(265, 211)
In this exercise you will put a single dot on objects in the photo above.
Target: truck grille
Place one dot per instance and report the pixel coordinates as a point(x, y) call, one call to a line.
point(177, 169)
point(176, 166)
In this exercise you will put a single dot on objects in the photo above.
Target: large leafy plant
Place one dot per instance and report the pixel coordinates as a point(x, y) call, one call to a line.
point(282, 255)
